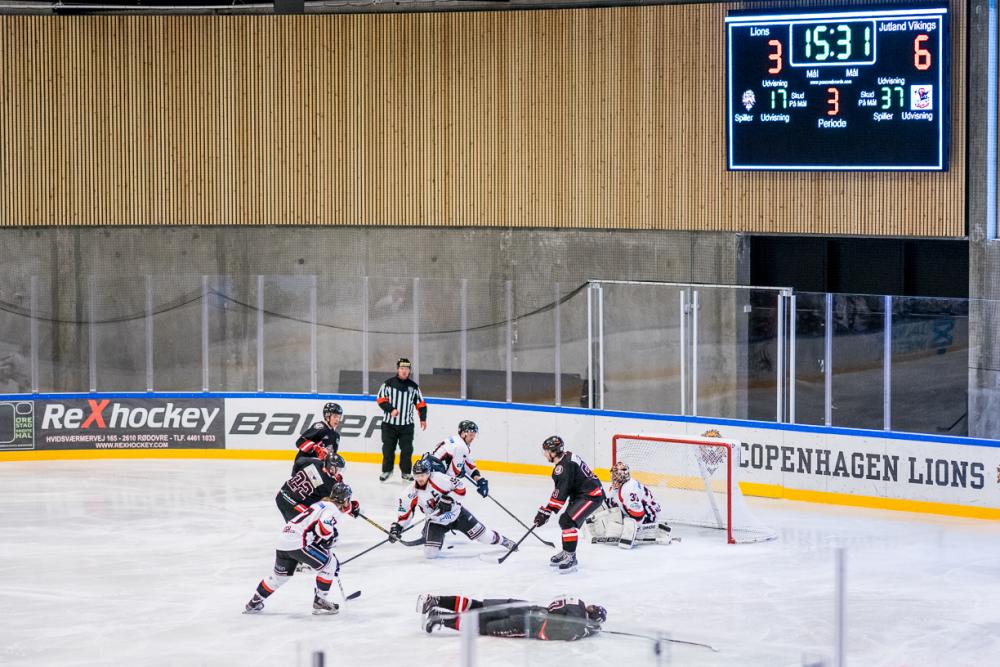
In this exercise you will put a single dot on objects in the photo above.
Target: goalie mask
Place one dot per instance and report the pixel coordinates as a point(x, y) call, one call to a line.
point(620, 474)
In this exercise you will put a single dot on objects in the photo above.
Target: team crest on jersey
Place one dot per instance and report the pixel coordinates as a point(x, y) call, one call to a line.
point(558, 469)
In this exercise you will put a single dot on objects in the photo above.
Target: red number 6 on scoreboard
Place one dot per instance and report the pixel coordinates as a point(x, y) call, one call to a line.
point(921, 56)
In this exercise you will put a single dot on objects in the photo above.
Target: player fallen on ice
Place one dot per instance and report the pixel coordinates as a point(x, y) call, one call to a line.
point(312, 480)
point(439, 497)
point(307, 540)
point(321, 438)
point(454, 457)
point(578, 492)
point(565, 618)
point(630, 516)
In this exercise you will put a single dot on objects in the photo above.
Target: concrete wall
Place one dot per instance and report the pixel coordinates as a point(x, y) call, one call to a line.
point(71, 264)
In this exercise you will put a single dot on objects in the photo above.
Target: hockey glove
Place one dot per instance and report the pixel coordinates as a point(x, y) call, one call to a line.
point(444, 505)
point(319, 452)
point(483, 487)
point(395, 532)
point(353, 508)
point(543, 515)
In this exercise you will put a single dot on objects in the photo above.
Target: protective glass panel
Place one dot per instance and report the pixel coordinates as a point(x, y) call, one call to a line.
point(339, 337)
point(177, 333)
point(810, 344)
point(232, 333)
point(288, 333)
point(487, 326)
point(642, 348)
point(573, 349)
point(440, 337)
point(724, 353)
point(63, 337)
point(858, 326)
point(533, 342)
point(15, 336)
point(930, 377)
point(390, 326)
point(119, 312)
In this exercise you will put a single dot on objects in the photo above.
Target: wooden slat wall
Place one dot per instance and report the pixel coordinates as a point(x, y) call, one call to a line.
point(599, 118)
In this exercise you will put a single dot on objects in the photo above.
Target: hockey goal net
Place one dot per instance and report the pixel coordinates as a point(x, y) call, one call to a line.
point(695, 481)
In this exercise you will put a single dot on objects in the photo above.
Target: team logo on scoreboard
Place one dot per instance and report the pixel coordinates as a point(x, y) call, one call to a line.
point(921, 97)
point(749, 99)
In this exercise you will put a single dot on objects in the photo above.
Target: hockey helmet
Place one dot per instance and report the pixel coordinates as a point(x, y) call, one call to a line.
point(335, 460)
point(467, 425)
point(402, 362)
point(620, 474)
point(554, 444)
point(340, 493)
point(332, 409)
point(597, 613)
point(421, 467)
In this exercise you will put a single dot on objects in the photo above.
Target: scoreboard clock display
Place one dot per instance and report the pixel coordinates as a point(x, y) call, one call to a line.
point(838, 89)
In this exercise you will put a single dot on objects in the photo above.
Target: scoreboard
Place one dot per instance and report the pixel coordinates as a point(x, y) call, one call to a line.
point(838, 89)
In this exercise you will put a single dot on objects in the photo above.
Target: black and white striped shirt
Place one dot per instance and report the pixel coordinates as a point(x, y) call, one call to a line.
point(402, 395)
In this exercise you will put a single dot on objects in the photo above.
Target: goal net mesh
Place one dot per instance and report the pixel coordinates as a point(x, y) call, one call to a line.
point(695, 481)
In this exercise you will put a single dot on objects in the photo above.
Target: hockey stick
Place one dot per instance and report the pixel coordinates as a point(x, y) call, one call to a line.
point(513, 516)
point(353, 596)
point(517, 544)
point(406, 543)
point(376, 546)
point(659, 639)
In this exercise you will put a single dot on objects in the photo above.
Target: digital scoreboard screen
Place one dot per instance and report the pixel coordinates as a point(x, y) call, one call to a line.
point(838, 89)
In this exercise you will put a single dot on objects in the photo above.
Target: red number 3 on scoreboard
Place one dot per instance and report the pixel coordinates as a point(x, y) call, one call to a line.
point(775, 56)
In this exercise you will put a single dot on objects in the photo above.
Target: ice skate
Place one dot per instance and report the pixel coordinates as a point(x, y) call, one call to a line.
point(255, 606)
point(426, 602)
point(434, 619)
point(568, 565)
point(323, 606)
point(558, 558)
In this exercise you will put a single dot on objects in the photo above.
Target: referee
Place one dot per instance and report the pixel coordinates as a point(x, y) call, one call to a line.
point(397, 397)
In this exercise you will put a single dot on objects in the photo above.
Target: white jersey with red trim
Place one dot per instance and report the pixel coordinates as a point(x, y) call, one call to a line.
point(636, 501)
point(427, 498)
point(316, 526)
point(456, 454)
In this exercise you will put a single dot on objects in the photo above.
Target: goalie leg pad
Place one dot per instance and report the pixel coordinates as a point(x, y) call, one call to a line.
point(629, 535)
point(606, 523)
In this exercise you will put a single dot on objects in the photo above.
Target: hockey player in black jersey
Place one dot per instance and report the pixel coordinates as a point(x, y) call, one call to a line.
point(578, 491)
point(322, 437)
point(564, 619)
point(311, 481)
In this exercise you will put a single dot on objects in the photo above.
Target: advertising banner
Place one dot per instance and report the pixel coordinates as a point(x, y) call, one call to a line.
point(17, 426)
point(130, 423)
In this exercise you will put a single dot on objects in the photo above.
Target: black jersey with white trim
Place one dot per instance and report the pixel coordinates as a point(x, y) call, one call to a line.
point(318, 435)
point(310, 481)
point(573, 480)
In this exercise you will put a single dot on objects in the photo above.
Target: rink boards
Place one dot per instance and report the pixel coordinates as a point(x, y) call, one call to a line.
point(909, 472)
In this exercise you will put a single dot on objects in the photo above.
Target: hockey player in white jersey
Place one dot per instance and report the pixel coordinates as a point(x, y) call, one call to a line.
point(454, 456)
point(439, 497)
point(307, 539)
point(631, 516)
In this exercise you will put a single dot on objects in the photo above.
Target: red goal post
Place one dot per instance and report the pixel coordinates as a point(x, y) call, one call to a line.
point(695, 480)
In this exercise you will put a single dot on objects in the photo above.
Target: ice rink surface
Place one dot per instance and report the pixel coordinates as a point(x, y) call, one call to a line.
point(149, 562)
